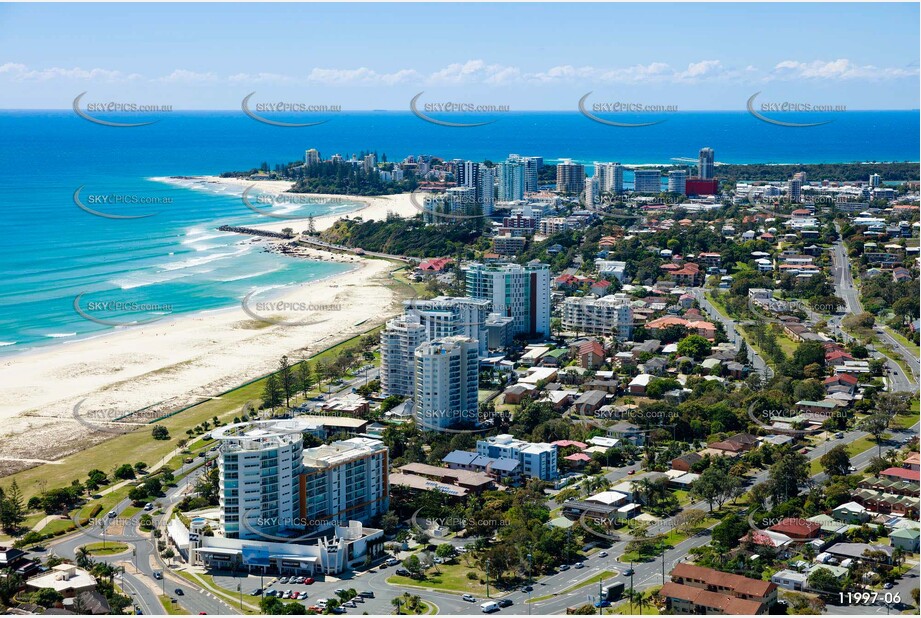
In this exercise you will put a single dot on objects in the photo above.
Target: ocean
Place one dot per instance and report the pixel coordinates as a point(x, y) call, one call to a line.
point(58, 261)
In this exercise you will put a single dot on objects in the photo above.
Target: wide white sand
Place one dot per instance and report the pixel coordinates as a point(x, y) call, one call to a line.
point(173, 362)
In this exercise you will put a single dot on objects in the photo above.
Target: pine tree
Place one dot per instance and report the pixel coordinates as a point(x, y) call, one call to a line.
point(286, 379)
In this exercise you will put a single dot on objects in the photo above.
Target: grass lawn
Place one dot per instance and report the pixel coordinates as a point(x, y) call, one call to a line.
point(623, 608)
point(106, 549)
point(172, 609)
point(452, 578)
point(130, 512)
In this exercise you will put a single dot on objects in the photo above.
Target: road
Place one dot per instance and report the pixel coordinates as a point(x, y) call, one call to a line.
point(734, 337)
point(845, 289)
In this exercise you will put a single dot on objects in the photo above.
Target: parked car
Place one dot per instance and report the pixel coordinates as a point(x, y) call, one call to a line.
point(403, 572)
point(256, 592)
point(392, 562)
point(308, 581)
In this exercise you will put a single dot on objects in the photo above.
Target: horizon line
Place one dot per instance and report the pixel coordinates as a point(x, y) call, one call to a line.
point(409, 111)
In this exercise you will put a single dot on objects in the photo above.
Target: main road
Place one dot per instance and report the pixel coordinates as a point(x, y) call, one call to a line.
point(846, 290)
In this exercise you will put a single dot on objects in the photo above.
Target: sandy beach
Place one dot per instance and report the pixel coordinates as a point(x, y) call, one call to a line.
point(175, 362)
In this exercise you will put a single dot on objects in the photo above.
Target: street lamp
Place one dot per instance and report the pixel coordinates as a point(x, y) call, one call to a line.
point(530, 585)
point(487, 578)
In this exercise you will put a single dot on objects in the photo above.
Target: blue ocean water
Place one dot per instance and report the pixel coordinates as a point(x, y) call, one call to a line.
point(177, 262)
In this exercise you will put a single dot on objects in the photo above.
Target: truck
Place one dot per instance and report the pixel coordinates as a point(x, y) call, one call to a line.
point(489, 607)
point(612, 592)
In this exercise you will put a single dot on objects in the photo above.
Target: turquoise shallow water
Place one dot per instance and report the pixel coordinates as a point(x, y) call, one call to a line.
point(177, 262)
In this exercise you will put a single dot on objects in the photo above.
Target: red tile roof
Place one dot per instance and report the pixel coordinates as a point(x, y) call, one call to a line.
point(902, 473)
point(712, 577)
point(796, 527)
point(841, 377)
point(727, 604)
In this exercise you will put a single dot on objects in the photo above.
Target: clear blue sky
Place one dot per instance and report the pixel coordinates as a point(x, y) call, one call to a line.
point(527, 56)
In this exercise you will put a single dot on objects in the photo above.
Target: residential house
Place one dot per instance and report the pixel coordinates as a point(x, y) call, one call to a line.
point(685, 462)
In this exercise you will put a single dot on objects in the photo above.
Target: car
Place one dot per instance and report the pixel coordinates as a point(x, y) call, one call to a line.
point(315, 608)
point(469, 598)
point(282, 580)
point(112, 514)
point(579, 565)
point(367, 594)
point(256, 592)
point(888, 585)
point(505, 603)
point(322, 603)
point(629, 572)
point(527, 588)
point(271, 592)
point(803, 451)
point(148, 506)
point(338, 610)
point(564, 567)
point(602, 603)
point(179, 592)
point(301, 596)
point(603, 554)
point(631, 472)
point(851, 469)
point(158, 575)
point(403, 572)
point(338, 591)
point(839, 435)
point(349, 604)
point(308, 580)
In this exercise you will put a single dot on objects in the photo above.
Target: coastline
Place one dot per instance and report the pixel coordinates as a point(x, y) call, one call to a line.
point(179, 360)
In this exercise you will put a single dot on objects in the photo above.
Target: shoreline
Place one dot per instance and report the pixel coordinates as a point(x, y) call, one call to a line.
point(368, 207)
point(171, 363)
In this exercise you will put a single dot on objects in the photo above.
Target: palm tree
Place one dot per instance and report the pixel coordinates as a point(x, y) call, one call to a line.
point(83, 557)
point(396, 602)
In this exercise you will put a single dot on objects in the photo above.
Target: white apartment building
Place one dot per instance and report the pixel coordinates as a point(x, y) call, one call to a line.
point(399, 341)
point(609, 315)
point(343, 481)
point(538, 459)
point(520, 292)
point(610, 177)
point(611, 269)
point(511, 175)
point(312, 157)
point(677, 181)
point(531, 166)
point(647, 181)
point(553, 225)
point(259, 466)
point(447, 374)
point(450, 316)
point(590, 191)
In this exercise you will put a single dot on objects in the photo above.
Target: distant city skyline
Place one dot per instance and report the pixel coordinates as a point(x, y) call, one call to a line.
point(525, 56)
